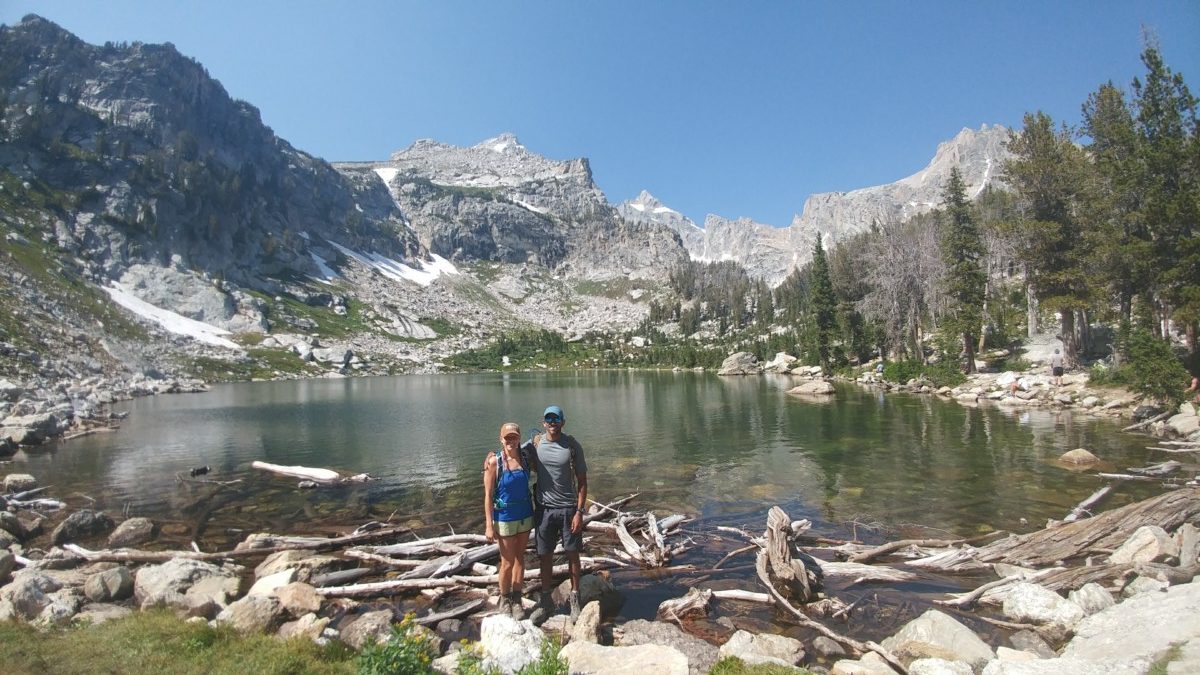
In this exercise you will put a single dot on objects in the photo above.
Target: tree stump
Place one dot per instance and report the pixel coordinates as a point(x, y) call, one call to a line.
point(792, 572)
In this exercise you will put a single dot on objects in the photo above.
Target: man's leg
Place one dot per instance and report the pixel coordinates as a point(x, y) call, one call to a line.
point(573, 599)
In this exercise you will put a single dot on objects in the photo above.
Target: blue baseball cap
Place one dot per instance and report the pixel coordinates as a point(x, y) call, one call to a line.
point(555, 410)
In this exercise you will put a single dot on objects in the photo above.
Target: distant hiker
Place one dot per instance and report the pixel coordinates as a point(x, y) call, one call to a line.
point(508, 481)
point(1056, 363)
point(561, 496)
point(1195, 387)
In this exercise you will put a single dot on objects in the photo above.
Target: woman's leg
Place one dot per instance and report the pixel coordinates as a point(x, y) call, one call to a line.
point(507, 557)
point(517, 581)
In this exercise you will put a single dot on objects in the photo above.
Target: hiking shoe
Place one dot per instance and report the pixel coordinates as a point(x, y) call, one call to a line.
point(574, 599)
point(544, 609)
point(504, 606)
point(518, 611)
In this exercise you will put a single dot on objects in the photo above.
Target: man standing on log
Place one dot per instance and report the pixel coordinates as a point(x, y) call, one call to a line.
point(561, 496)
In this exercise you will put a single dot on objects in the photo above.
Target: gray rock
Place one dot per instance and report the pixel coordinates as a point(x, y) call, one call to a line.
point(10, 524)
point(253, 614)
point(510, 644)
point(368, 629)
point(1078, 456)
point(9, 391)
point(169, 582)
point(109, 585)
point(28, 591)
point(870, 664)
point(938, 667)
point(8, 562)
point(305, 563)
point(19, 482)
point(739, 363)
point(61, 607)
point(1091, 598)
point(701, 656)
point(937, 635)
point(763, 648)
point(814, 388)
point(1139, 629)
point(593, 659)
point(1030, 603)
point(593, 588)
point(298, 598)
point(7, 540)
point(131, 533)
point(268, 584)
point(587, 627)
point(1150, 543)
point(1029, 641)
point(1143, 586)
point(827, 648)
point(1007, 654)
point(1062, 666)
point(81, 525)
point(95, 614)
point(1187, 660)
point(1183, 425)
point(307, 626)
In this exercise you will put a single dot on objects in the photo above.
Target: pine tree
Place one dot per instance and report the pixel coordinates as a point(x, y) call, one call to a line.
point(823, 304)
point(962, 252)
point(1047, 171)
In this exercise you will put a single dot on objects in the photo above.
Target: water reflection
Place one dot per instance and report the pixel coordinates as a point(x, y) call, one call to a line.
point(717, 447)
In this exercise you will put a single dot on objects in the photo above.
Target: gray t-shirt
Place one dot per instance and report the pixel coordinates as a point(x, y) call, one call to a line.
point(1056, 361)
point(555, 484)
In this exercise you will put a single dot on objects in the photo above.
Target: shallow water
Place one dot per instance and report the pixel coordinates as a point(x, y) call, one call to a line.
point(722, 449)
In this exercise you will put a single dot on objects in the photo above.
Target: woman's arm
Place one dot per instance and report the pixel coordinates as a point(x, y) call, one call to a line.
point(489, 486)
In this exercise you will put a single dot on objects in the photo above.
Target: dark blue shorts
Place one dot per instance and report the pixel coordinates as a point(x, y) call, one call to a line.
point(554, 525)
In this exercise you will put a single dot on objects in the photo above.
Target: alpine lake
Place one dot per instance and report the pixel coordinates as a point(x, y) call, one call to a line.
point(723, 450)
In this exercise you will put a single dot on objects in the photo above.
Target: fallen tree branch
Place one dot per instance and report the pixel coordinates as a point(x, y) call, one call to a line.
point(452, 613)
point(1145, 423)
point(1085, 506)
point(859, 647)
point(323, 476)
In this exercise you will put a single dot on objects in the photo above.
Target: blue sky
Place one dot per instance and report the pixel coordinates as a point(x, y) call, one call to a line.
point(737, 109)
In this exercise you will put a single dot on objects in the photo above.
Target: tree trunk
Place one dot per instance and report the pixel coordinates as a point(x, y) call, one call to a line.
point(985, 320)
point(969, 352)
point(1085, 331)
point(1070, 346)
point(1031, 312)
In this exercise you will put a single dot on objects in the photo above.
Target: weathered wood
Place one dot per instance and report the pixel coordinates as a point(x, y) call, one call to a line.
point(444, 567)
point(1130, 476)
point(385, 588)
point(323, 476)
point(1145, 423)
point(864, 573)
point(744, 596)
point(966, 600)
point(423, 547)
point(884, 549)
point(1176, 450)
point(695, 602)
point(790, 574)
point(452, 613)
point(760, 566)
point(382, 559)
point(951, 560)
point(1160, 469)
point(1105, 531)
point(341, 577)
point(1189, 544)
point(1085, 506)
point(736, 552)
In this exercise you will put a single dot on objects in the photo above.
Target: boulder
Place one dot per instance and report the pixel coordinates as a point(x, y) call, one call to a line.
point(593, 588)
point(827, 648)
point(1062, 666)
point(253, 614)
point(61, 606)
point(298, 598)
point(168, 583)
point(1144, 586)
point(1091, 598)
point(307, 564)
point(592, 659)
point(12, 525)
point(7, 540)
point(782, 363)
point(1183, 425)
point(95, 614)
point(1149, 543)
point(587, 627)
point(510, 644)
point(8, 562)
point(1030, 641)
point(814, 388)
point(1029, 603)
point(763, 648)
point(9, 391)
point(81, 525)
point(870, 664)
point(1140, 628)
point(268, 584)
point(368, 629)
point(19, 482)
point(109, 585)
point(28, 592)
point(938, 667)
point(131, 533)
point(1089, 402)
point(701, 655)
point(307, 626)
point(740, 363)
point(935, 634)
point(1007, 654)
point(1078, 456)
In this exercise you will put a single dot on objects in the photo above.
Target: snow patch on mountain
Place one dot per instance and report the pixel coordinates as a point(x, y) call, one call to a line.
point(423, 275)
point(172, 322)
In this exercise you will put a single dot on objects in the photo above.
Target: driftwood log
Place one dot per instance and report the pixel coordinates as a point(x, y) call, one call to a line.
point(787, 568)
point(322, 476)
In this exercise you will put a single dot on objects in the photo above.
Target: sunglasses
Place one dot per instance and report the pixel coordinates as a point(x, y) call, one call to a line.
point(552, 419)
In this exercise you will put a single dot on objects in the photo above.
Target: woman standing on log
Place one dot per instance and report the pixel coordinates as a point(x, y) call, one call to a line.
point(508, 481)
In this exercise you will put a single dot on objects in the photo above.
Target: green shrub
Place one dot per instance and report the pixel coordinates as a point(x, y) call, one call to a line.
point(407, 651)
point(944, 374)
point(901, 372)
point(549, 662)
point(1154, 370)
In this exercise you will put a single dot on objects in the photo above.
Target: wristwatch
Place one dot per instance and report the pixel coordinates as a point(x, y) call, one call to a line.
point(580, 511)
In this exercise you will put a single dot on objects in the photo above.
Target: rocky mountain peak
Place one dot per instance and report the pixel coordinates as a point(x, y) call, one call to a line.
point(504, 143)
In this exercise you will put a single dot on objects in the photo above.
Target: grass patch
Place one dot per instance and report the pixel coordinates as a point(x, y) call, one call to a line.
point(157, 642)
point(1159, 667)
point(260, 363)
